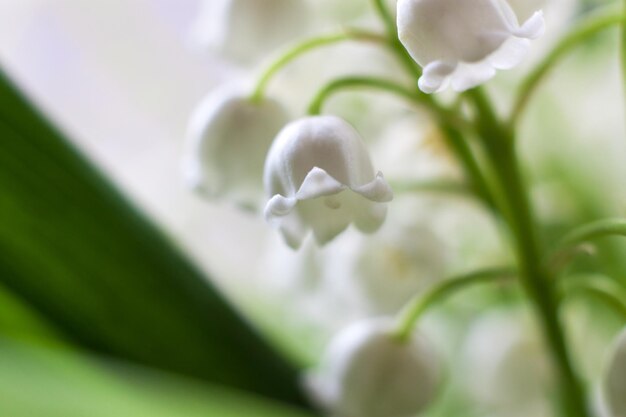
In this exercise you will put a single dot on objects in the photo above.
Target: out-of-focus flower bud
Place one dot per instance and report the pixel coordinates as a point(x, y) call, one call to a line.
point(247, 30)
point(615, 379)
point(463, 42)
point(392, 268)
point(506, 366)
point(319, 176)
point(227, 141)
point(366, 372)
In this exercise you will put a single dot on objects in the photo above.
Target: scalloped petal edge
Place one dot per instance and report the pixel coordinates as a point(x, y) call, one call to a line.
point(377, 190)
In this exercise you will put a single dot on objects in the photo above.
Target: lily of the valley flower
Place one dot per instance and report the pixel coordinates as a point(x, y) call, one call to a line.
point(318, 175)
point(247, 30)
point(463, 42)
point(227, 141)
point(615, 382)
point(365, 372)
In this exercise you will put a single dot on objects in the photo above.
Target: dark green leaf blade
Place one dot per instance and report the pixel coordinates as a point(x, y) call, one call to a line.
point(77, 251)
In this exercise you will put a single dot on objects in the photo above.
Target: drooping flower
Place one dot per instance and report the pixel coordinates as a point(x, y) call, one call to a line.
point(463, 42)
point(227, 141)
point(366, 372)
point(247, 30)
point(615, 380)
point(319, 176)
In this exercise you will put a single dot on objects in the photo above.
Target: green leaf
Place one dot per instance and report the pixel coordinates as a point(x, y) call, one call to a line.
point(41, 382)
point(82, 257)
point(18, 321)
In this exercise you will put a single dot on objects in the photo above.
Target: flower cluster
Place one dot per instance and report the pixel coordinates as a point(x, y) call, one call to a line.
point(313, 175)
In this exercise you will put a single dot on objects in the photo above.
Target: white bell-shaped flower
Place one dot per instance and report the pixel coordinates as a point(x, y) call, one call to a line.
point(615, 380)
point(319, 175)
point(227, 141)
point(463, 42)
point(247, 30)
point(366, 372)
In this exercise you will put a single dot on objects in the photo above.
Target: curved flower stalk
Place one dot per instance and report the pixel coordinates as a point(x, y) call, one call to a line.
point(463, 42)
point(319, 176)
point(227, 141)
point(615, 380)
point(247, 30)
point(366, 372)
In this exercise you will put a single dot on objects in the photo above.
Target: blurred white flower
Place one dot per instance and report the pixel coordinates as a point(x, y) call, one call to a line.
point(405, 257)
point(463, 42)
point(248, 30)
point(365, 372)
point(227, 141)
point(507, 368)
point(319, 175)
point(615, 380)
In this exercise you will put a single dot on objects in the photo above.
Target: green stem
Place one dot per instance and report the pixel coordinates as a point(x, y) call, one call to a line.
point(315, 107)
point(463, 152)
point(306, 46)
point(450, 124)
point(583, 31)
point(516, 209)
point(386, 17)
point(411, 314)
point(623, 50)
point(587, 232)
point(396, 46)
point(606, 296)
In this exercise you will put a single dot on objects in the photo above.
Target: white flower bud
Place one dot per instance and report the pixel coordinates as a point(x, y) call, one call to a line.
point(365, 372)
point(227, 141)
point(463, 42)
point(247, 30)
point(318, 175)
point(615, 380)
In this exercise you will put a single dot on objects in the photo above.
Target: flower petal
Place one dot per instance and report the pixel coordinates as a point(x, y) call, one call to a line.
point(376, 190)
point(435, 75)
point(318, 183)
point(370, 220)
point(292, 230)
point(533, 28)
point(510, 54)
point(279, 206)
point(471, 75)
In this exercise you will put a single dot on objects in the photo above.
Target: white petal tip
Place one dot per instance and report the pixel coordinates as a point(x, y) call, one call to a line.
point(472, 75)
point(318, 183)
point(277, 207)
point(435, 76)
point(532, 28)
point(377, 190)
